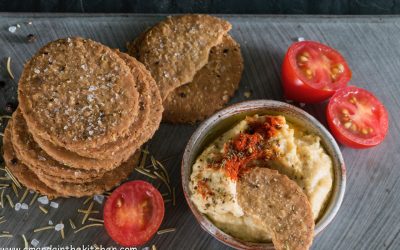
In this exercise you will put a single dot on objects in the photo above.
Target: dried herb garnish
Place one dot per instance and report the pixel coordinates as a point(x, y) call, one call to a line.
point(10, 201)
point(88, 226)
point(2, 199)
point(44, 210)
point(34, 198)
point(167, 230)
point(26, 245)
point(87, 213)
point(96, 220)
point(24, 196)
point(10, 73)
point(15, 181)
point(43, 228)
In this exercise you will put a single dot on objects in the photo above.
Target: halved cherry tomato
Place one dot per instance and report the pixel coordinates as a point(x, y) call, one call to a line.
point(357, 118)
point(312, 72)
point(133, 213)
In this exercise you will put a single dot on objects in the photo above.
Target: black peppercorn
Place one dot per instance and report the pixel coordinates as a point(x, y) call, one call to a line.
point(31, 38)
point(14, 161)
point(10, 107)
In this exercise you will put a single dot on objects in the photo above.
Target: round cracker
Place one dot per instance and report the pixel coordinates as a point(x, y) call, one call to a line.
point(38, 161)
point(211, 88)
point(144, 127)
point(77, 93)
point(25, 176)
point(149, 117)
point(280, 205)
point(176, 48)
point(109, 180)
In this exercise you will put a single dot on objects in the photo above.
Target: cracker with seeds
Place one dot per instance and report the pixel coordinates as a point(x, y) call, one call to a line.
point(109, 180)
point(211, 88)
point(38, 161)
point(41, 182)
point(148, 119)
point(280, 205)
point(176, 48)
point(77, 93)
point(25, 176)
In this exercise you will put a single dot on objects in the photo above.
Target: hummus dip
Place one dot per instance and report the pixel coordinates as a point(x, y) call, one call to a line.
point(263, 141)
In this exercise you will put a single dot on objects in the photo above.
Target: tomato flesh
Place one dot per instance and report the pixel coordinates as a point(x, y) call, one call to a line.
point(312, 72)
point(357, 118)
point(133, 213)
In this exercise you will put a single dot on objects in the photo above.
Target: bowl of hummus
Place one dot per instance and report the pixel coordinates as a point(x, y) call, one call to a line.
point(260, 133)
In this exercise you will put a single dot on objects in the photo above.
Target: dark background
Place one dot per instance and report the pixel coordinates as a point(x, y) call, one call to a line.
point(349, 7)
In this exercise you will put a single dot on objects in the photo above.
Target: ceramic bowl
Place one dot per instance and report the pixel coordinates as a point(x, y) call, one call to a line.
point(228, 117)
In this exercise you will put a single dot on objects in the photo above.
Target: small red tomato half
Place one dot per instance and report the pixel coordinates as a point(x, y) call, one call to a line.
point(312, 72)
point(357, 118)
point(133, 213)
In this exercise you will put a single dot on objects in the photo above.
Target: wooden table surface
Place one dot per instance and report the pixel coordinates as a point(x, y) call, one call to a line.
point(369, 216)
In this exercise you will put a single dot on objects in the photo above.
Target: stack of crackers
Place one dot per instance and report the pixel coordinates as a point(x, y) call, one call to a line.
point(197, 65)
point(84, 112)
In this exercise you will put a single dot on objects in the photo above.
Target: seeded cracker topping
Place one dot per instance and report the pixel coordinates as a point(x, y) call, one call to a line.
point(177, 47)
point(75, 90)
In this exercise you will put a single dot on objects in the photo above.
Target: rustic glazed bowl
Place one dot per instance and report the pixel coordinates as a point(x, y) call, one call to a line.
point(227, 118)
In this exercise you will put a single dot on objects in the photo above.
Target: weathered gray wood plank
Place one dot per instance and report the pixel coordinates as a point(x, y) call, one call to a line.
point(368, 218)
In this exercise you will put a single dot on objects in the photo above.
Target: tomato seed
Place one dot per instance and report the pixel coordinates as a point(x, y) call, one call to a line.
point(340, 68)
point(303, 58)
point(364, 131)
point(119, 203)
point(345, 112)
point(347, 125)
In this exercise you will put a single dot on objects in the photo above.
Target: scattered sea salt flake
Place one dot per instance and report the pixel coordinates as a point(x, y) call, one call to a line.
point(59, 227)
point(31, 191)
point(300, 39)
point(18, 25)
point(92, 88)
point(302, 104)
point(24, 206)
point(50, 222)
point(34, 242)
point(43, 200)
point(37, 71)
point(54, 204)
point(17, 206)
point(99, 198)
point(12, 29)
point(41, 158)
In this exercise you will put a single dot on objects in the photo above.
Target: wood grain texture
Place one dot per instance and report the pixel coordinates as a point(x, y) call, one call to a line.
point(368, 218)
